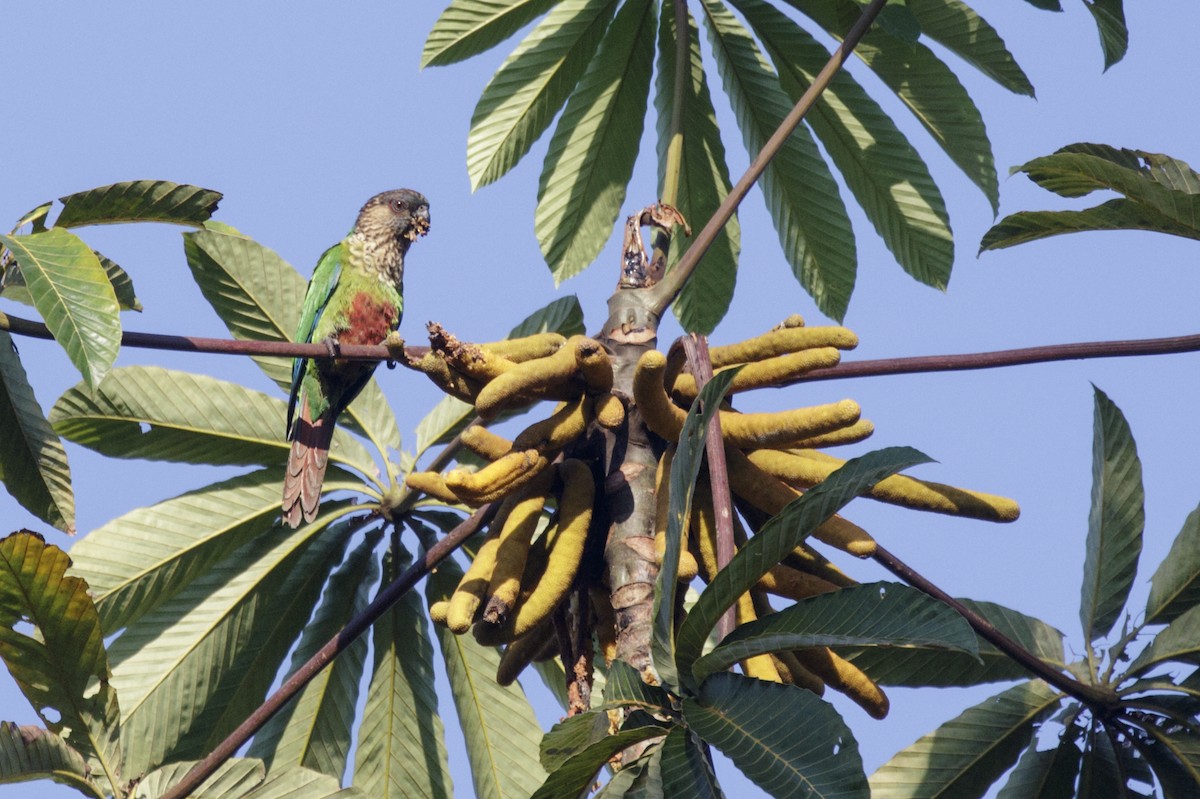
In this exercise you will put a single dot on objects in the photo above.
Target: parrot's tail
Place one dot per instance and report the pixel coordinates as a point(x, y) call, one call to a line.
point(306, 467)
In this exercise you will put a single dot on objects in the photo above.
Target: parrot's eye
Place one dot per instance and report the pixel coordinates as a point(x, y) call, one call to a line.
point(398, 205)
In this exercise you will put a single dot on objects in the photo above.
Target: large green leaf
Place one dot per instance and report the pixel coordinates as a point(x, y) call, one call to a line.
point(1179, 641)
point(572, 736)
point(122, 284)
point(1110, 21)
point(1160, 194)
point(686, 767)
point(943, 668)
point(162, 414)
point(624, 687)
point(63, 671)
point(800, 191)
point(685, 466)
point(302, 783)
point(500, 729)
point(782, 534)
point(33, 753)
point(1100, 774)
point(1175, 586)
point(314, 729)
point(593, 149)
point(138, 201)
point(881, 169)
point(532, 85)
point(641, 779)
point(258, 296)
point(1175, 759)
point(469, 27)
point(33, 463)
point(70, 289)
point(1044, 773)
point(964, 756)
point(957, 27)
point(233, 779)
point(923, 83)
point(451, 415)
point(1115, 522)
point(576, 773)
point(755, 724)
point(183, 663)
point(703, 179)
point(401, 752)
point(136, 562)
point(875, 614)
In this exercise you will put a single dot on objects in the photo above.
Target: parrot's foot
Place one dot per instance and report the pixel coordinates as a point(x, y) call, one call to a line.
point(396, 352)
point(334, 349)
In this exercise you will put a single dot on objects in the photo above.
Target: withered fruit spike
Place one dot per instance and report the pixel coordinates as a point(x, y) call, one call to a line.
point(780, 342)
point(519, 350)
point(661, 415)
point(498, 478)
point(523, 651)
point(433, 484)
point(806, 468)
point(485, 443)
point(567, 423)
point(527, 381)
point(594, 364)
point(753, 430)
point(610, 411)
point(769, 494)
point(843, 676)
point(771, 372)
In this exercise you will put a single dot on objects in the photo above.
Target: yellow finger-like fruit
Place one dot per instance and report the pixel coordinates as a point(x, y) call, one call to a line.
point(516, 534)
point(497, 479)
point(793, 671)
point(529, 348)
point(687, 567)
point(859, 431)
point(527, 381)
point(472, 588)
point(433, 484)
point(782, 341)
point(594, 364)
point(785, 428)
point(842, 675)
point(606, 622)
point(477, 362)
point(609, 410)
point(523, 651)
point(792, 583)
point(485, 443)
point(761, 667)
point(448, 380)
point(805, 468)
point(774, 372)
point(438, 611)
point(567, 423)
point(660, 414)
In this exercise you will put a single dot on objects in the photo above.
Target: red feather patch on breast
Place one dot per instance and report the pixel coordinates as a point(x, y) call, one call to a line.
point(369, 321)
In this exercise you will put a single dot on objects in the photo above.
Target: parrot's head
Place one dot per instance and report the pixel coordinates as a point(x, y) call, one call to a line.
point(401, 215)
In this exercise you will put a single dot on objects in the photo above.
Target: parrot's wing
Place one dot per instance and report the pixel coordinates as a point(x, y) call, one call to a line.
point(320, 289)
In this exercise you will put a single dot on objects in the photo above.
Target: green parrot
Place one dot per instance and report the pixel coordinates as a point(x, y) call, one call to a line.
point(356, 296)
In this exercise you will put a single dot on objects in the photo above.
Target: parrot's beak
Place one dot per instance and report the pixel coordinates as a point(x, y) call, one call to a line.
point(420, 224)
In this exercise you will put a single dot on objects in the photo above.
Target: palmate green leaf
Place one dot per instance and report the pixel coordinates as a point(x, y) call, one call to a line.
point(1175, 760)
point(136, 562)
point(163, 414)
point(258, 296)
point(1099, 773)
point(800, 191)
point(1179, 641)
point(498, 724)
point(1175, 586)
point(957, 27)
point(878, 614)
point(33, 463)
point(686, 767)
point(703, 180)
point(641, 779)
point(183, 663)
point(1110, 22)
point(302, 783)
point(314, 729)
point(572, 736)
point(32, 753)
point(882, 170)
point(968, 753)
point(942, 668)
point(624, 687)
point(64, 671)
point(138, 201)
point(35, 218)
point(593, 149)
point(670, 663)
point(401, 752)
point(923, 83)
point(469, 27)
point(755, 724)
point(233, 779)
point(574, 774)
point(451, 415)
point(1044, 774)
point(782, 534)
point(70, 289)
point(122, 284)
point(1115, 522)
point(531, 86)
point(1119, 214)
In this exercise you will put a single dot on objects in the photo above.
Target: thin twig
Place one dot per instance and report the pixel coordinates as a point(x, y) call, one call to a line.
point(1100, 701)
point(665, 292)
point(325, 655)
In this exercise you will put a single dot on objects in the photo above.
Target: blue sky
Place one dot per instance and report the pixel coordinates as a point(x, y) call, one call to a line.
point(298, 112)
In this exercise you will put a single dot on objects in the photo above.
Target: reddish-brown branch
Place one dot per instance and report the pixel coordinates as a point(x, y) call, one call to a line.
point(325, 655)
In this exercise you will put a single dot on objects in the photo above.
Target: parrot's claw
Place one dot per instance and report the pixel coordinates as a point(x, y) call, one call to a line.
point(331, 344)
point(396, 353)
